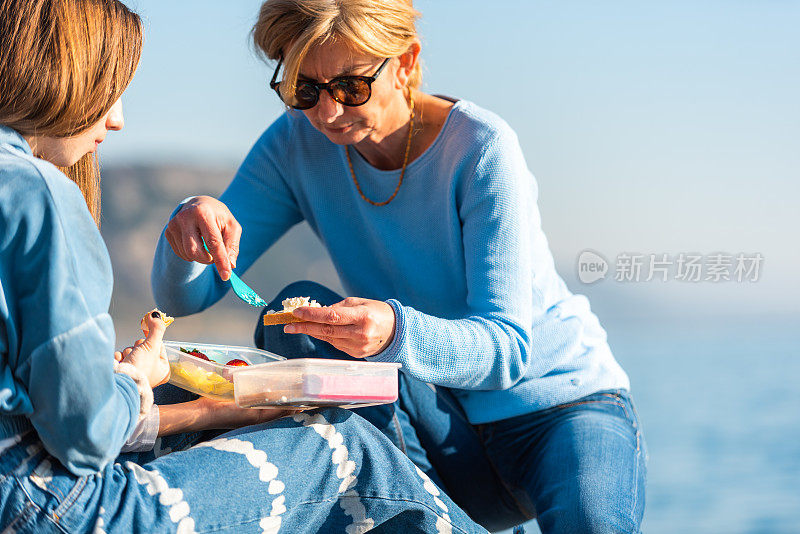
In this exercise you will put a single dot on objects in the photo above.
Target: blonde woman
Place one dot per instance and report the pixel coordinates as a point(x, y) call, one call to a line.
point(67, 409)
point(511, 398)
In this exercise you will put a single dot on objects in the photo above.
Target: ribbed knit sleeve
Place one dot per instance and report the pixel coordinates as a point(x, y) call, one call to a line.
point(489, 347)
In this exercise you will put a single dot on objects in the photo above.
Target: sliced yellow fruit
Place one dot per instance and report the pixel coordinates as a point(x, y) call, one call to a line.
point(222, 389)
point(200, 379)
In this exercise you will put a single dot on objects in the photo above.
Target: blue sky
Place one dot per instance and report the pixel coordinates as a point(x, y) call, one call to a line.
point(657, 127)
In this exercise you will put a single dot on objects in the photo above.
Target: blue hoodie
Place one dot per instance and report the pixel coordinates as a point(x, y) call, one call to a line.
point(56, 337)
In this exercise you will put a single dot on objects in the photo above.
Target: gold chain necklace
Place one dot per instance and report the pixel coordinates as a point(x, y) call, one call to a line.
point(405, 161)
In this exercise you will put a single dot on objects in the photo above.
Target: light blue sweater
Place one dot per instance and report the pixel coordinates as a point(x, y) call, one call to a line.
point(459, 254)
point(56, 337)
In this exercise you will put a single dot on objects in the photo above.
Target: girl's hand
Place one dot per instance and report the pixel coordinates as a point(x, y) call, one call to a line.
point(148, 354)
point(207, 218)
point(359, 327)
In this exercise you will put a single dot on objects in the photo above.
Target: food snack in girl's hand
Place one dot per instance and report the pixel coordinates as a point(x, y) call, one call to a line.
point(156, 314)
point(285, 315)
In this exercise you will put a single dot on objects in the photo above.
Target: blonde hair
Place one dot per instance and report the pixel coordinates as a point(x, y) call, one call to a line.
point(288, 29)
point(63, 64)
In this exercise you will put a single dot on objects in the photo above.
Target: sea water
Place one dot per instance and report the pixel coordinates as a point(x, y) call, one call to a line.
point(719, 402)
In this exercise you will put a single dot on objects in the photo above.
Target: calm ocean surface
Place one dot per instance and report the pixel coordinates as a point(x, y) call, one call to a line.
point(719, 402)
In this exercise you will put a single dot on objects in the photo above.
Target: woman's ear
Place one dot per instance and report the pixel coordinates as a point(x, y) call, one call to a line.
point(408, 60)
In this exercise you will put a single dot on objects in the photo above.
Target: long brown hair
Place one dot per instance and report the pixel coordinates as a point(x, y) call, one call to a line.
point(63, 64)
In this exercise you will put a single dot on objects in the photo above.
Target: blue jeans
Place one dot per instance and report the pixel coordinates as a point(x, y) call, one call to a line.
point(576, 467)
point(319, 471)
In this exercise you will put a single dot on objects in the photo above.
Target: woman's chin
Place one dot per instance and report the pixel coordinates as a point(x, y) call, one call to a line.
point(343, 136)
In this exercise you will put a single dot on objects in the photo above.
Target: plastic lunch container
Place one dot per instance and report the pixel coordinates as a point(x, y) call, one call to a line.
point(271, 380)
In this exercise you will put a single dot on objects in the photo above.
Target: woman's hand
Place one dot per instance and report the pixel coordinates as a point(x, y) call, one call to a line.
point(148, 354)
point(359, 327)
point(209, 414)
point(205, 218)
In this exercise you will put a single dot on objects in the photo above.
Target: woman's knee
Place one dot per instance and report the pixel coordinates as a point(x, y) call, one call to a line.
point(593, 503)
point(599, 515)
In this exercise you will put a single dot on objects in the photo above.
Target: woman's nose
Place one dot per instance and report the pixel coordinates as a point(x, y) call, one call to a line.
point(115, 120)
point(328, 109)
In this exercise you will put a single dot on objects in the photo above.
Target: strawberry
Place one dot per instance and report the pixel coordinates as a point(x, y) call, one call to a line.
point(196, 353)
point(238, 363)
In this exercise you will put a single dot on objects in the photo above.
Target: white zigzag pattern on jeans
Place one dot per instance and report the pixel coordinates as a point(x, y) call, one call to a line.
point(7, 443)
point(267, 472)
point(349, 501)
point(42, 474)
point(171, 497)
point(443, 525)
point(32, 450)
point(100, 524)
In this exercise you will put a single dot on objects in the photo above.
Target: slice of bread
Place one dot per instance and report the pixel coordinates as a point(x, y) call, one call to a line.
point(280, 318)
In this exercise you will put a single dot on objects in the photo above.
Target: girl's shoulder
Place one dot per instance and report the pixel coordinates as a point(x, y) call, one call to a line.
point(35, 193)
point(24, 178)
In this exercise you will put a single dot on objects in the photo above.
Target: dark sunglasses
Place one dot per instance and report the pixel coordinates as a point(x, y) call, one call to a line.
point(347, 90)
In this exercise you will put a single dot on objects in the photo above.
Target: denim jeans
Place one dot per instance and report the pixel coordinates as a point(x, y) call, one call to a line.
point(318, 471)
point(575, 467)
